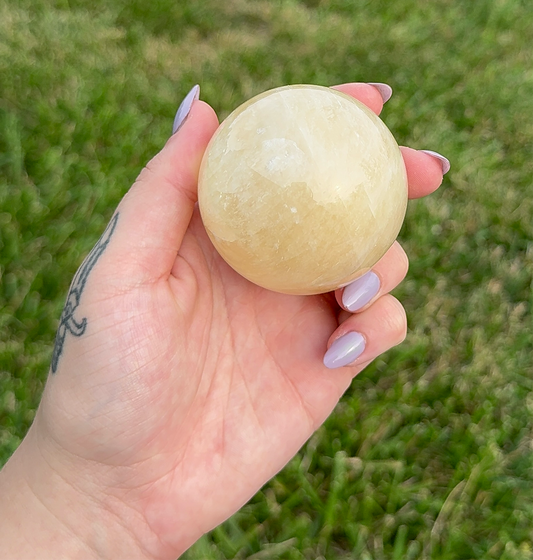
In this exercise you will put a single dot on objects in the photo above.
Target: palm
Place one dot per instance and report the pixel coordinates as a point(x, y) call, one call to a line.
point(252, 376)
point(231, 374)
point(258, 351)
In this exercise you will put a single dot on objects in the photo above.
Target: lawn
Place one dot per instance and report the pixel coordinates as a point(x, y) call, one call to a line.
point(430, 453)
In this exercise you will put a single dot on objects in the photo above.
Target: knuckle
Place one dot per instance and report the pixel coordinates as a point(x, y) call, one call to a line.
point(396, 319)
point(403, 260)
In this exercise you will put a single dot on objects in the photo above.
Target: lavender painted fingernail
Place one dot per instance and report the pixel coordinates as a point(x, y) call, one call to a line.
point(445, 162)
point(185, 108)
point(344, 350)
point(357, 294)
point(384, 89)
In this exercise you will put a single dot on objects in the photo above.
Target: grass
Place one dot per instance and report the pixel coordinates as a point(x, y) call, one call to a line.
point(429, 454)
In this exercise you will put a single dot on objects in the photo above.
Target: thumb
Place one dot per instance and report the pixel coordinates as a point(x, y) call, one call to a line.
point(151, 220)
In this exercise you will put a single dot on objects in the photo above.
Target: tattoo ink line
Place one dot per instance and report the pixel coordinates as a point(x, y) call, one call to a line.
point(67, 321)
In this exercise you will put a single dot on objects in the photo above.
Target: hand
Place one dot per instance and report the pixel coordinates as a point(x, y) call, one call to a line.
point(178, 388)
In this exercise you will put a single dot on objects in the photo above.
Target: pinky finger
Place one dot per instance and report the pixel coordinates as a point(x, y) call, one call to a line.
point(364, 336)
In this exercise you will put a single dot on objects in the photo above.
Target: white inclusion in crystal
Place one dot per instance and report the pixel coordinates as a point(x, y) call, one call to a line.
point(282, 153)
point(274, 164)
point(260, 131)
point(293, 210)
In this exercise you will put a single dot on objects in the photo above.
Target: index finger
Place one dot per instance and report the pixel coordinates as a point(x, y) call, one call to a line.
point(372, 96)
point(425, 169)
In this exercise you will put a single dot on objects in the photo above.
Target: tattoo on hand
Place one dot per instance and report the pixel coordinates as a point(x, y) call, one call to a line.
point(67, 322)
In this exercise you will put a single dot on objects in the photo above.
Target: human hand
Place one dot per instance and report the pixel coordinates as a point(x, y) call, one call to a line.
point(178, 388)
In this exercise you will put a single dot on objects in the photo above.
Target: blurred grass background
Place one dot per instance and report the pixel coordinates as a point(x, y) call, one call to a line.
point(430, 453)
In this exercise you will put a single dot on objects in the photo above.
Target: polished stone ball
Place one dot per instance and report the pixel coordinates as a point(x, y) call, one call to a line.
point(302, 189)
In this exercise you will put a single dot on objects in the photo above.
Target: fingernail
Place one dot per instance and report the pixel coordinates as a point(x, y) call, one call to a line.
point(344, 350)
point(185, 108)
point(384, 89)
point(357, 294)
point(445, 162)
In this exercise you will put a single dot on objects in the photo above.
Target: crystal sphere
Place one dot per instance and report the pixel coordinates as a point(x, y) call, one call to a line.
point(302, 189)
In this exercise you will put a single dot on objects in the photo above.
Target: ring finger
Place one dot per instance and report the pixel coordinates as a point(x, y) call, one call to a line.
point(386, 274)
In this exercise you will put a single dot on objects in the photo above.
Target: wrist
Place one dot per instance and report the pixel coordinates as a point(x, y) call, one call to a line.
point(47, 513)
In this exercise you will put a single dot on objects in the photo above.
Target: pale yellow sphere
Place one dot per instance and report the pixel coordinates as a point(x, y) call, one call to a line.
point(302, 189)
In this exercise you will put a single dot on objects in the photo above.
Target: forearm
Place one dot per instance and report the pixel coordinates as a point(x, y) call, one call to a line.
point(28, 529)
point(42, 516)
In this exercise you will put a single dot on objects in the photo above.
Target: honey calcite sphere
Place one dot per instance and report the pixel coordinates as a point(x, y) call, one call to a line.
point(302, 189)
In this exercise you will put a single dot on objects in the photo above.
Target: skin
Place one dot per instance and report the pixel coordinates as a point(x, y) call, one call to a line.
point(189, 387)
